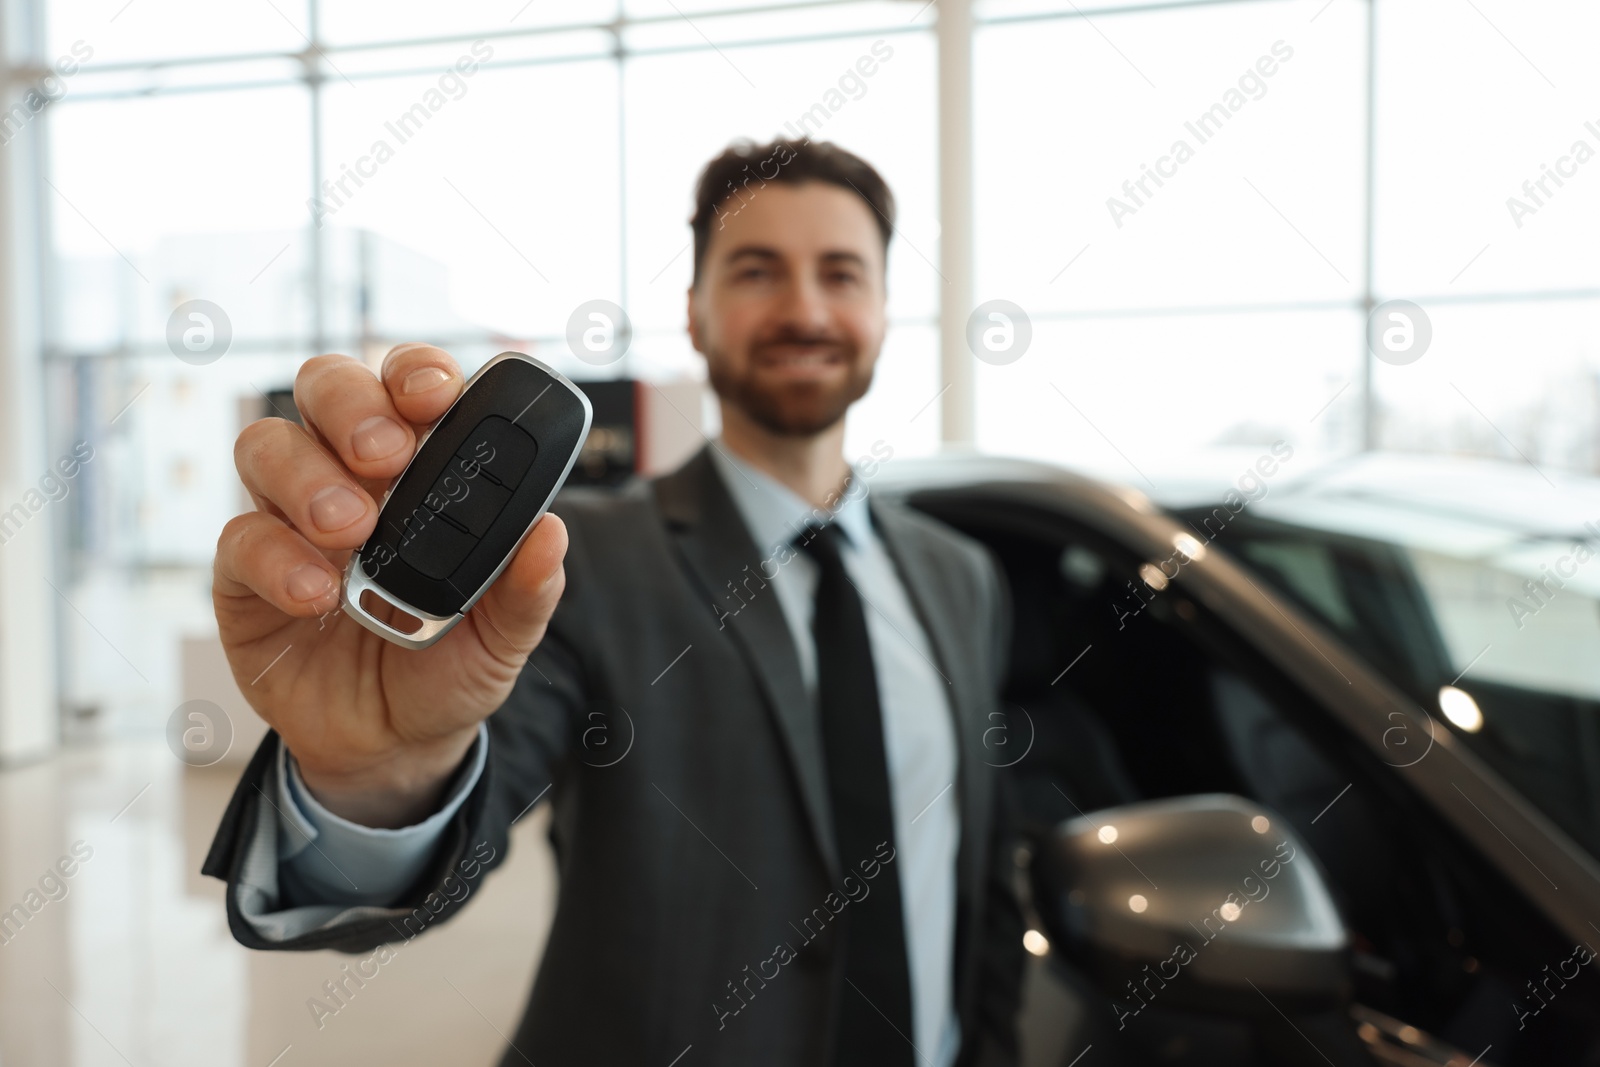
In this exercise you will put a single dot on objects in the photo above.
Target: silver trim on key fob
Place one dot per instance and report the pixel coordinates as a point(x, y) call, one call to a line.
point(356, 581)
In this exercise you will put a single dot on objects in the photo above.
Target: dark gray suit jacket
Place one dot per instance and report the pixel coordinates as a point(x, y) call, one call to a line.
point(686, 863)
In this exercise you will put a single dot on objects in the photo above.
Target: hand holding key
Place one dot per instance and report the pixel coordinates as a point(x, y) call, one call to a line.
point(376, 728)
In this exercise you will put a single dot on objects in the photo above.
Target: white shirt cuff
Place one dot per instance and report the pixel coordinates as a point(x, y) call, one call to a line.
point(331, 860)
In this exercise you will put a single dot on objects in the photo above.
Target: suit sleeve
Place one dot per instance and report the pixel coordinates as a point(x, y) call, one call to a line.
point(374, 866)
point(1001, 956)
point(530, 742)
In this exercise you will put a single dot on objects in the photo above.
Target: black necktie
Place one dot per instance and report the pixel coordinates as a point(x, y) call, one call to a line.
point(875, 1012)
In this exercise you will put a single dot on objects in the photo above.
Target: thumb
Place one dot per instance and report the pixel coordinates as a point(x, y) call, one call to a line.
point(516, 609)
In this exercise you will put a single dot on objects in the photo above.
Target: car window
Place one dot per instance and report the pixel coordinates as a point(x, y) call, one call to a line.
point(1367, 592)
point(1308, 569)
point(1500, 645)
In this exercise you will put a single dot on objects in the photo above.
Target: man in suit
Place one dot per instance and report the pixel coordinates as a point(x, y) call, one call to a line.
point(754, 693)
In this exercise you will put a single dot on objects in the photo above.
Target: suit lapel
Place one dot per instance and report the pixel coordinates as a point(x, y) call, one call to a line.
point(942, 615)
point(716, 547)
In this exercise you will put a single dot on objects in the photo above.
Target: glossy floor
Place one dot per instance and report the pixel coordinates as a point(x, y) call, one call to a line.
point(133, 964)
point(128, 962)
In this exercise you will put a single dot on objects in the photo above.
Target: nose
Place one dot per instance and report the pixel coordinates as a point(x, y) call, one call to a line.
point(805, 307)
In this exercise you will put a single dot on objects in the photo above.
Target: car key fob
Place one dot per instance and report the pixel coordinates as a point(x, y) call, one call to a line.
point(480, 481)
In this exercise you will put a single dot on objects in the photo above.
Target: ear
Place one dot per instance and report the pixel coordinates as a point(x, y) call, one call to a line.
point(693, 319)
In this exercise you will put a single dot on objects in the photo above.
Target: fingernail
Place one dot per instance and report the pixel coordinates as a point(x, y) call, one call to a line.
point(424, 378)
point(336, 507)
point(309, 582)
point(378, 437)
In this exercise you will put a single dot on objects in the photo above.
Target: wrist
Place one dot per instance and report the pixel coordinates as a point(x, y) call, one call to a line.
point(400, 790)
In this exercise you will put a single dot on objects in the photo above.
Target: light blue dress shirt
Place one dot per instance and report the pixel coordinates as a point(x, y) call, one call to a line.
point(328, 859)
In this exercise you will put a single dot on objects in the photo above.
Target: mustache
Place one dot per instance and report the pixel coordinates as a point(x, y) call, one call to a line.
point(816, 340)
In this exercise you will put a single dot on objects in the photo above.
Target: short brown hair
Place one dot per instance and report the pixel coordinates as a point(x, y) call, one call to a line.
point(743, 165)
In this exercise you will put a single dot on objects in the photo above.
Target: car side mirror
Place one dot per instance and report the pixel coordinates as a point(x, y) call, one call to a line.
point(1191, 901)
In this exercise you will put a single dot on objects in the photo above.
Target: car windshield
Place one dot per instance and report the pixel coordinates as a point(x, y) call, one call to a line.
point(1493, 630)
point(1527, 618)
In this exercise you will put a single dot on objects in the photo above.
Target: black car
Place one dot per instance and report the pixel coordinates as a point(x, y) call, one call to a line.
point(1246, 682)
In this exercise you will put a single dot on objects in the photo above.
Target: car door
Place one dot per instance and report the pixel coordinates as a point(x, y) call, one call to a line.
point(1147, 663)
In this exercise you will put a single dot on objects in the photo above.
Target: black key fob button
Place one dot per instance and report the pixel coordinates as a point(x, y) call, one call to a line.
point(500, 450)
point(435, 547)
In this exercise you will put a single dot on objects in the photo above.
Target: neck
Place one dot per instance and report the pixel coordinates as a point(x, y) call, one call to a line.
point(812, 466)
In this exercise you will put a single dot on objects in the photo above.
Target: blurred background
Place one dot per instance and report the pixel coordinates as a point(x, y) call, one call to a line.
point(196, 197)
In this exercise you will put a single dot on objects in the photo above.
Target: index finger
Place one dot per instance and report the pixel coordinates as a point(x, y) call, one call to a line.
point(423, 381)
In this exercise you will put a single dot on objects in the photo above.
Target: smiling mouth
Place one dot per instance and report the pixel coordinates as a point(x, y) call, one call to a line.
point(801, 357)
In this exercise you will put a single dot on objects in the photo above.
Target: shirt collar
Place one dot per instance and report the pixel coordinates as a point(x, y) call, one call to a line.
point(776, 514)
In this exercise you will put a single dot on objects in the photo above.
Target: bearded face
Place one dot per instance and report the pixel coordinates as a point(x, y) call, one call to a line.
point(789, 312)
point(795, 383)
